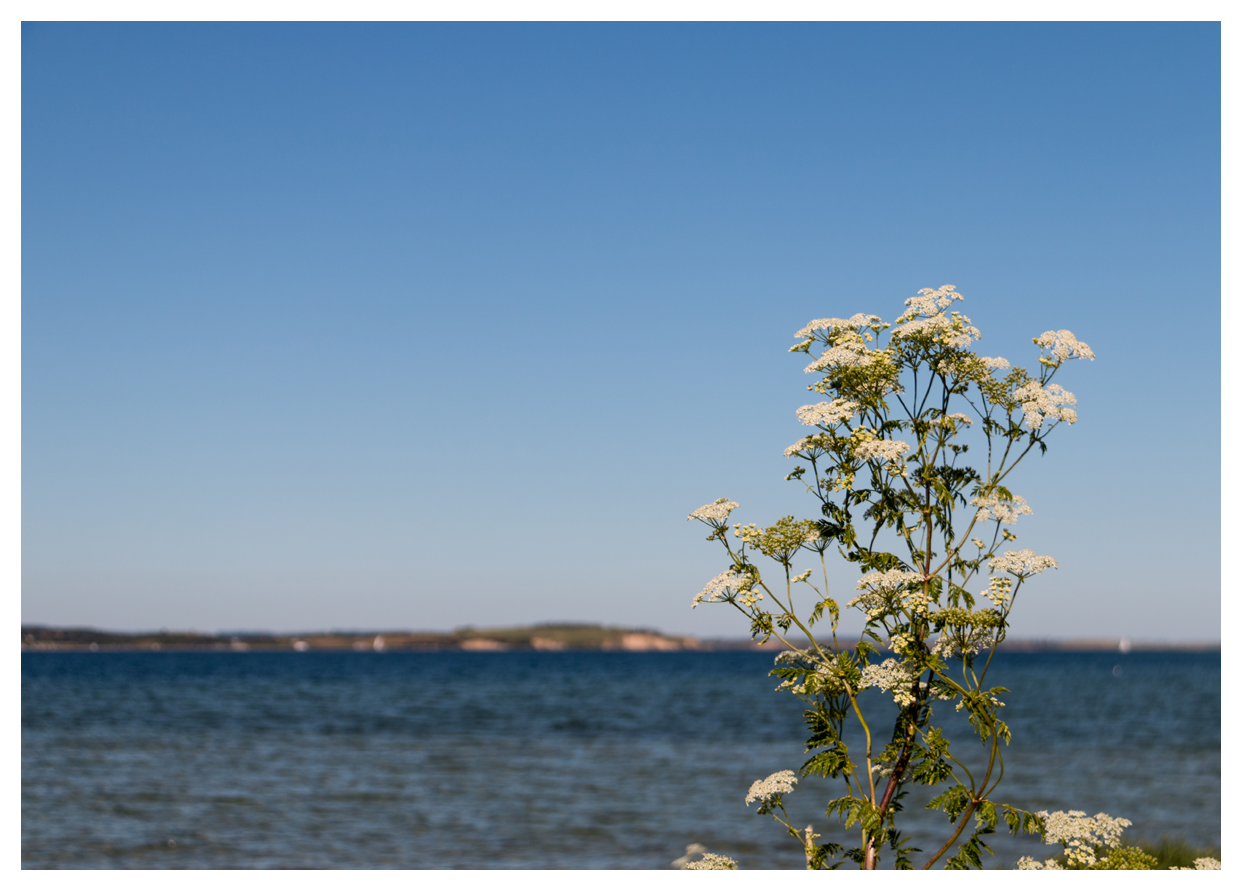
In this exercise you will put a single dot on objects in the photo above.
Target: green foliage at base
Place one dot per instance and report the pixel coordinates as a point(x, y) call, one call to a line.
point(1170, 852)
point(1126, 858)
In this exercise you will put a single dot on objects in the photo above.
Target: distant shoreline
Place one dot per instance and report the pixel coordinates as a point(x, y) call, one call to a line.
point(550, 637)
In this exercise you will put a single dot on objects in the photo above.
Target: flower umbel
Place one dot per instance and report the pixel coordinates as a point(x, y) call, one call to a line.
point(729, 585)
point(993, 507)
point(1022, 563)
point(779, 783)
point(1201, 863)
point(827, 414)
point(715, 513)
point(1045, 403)
point(711, 861)
point(1062, 345)
point(1082, 835)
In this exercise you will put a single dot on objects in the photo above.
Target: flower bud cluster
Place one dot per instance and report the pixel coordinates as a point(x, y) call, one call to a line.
point(999, 591)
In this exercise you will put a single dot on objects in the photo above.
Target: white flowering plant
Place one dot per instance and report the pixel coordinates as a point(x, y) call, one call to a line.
point(886, 461)
point(1095, 843)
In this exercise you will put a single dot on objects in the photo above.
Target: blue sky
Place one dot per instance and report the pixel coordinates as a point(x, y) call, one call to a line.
point(416, 326)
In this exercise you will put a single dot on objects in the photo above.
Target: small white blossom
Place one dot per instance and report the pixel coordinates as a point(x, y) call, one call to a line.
point(1062, 345)
point(801, 577)
point(1200, 863)
point(716, 512)
point(1031, 863)
point(1040, 404)
point(994, 362)
point(778, 783)
point(728, 584)
point(1022, 563)
point(993, 507)
point(880, 450)
point(827, 414)
point(711, 861)
point(953, 419)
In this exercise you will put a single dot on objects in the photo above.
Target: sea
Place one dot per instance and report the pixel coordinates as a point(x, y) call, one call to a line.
point(548, 760)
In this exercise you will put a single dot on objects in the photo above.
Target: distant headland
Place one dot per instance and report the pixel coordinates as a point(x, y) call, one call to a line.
point(549, 636)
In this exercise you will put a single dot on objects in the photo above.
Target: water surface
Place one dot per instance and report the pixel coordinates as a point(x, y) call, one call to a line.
point(540, 760)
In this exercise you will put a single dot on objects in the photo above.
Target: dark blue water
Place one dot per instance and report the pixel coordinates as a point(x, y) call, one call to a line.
point(540, 760)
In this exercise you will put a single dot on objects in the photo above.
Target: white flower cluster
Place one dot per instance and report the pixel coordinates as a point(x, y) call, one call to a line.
point(994, 362)
point(880, 450)
point(953, 332)
point(888, 581)
point(892, 677)
point(778, 783)
point(962, 642)
point(816, 442)
point(1200, 863)
point(822, 674)
point(993, 507)
point(850, 354)
point(854, 322)
point(711, 861)
point(879, 589)
point(929, 302)
point(827, 414)
point(725, 586)
point(716, 513)
point(1040, 404)
point(1062, 345)
point(951, 421)
point(794, 655)
point(1082, 835)
point(1022, 563)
